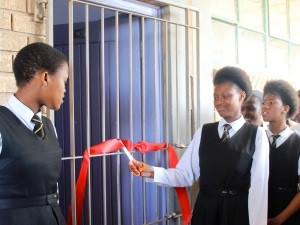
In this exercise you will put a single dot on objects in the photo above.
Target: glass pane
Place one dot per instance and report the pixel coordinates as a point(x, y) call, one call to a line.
point(278, 18)
point(225, 9)
point(296, 61)
point(251, 49)
point(278, 57)
point(223, 42)
point(295, 20)
point(251, 14)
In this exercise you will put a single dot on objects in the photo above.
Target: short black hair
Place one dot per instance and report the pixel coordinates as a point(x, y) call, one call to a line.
point(257, 94)
point(286, 92)
point(35, 57)
point(237, 76)
point(298, 93)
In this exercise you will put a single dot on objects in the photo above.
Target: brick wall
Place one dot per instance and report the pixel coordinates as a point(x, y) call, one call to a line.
point(17, 29)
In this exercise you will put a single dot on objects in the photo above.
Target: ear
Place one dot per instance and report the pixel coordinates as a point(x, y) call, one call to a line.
point(242, 96)
point(45, 78)
point(286, 109)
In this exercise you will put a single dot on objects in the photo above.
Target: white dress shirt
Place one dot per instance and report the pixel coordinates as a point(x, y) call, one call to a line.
point(22, 112)
point(284, 135)
point(187, 170)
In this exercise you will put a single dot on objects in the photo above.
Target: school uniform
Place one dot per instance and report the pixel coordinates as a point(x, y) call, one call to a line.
point(284, 173)
point(233, 174)
point(29, 170)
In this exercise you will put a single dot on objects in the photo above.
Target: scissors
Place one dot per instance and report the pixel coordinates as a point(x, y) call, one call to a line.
point(130, 157)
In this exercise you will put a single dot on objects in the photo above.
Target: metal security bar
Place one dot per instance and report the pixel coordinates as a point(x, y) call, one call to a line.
point(145, 87)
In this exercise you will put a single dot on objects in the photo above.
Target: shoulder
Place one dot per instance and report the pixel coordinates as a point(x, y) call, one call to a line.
point(261, 131)
point(250, 126)
point(4, 110)
point(295, 136)
point(296, 128)
point(211, 125)
point(47, 122)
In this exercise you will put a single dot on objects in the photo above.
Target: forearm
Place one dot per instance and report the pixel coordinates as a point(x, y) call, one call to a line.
point(291, 209)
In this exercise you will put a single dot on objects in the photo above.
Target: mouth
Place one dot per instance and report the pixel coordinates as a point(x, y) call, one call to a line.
point(220, 109)
point(264, 114)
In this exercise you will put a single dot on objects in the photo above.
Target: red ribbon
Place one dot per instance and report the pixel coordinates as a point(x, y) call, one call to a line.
point(112, 146)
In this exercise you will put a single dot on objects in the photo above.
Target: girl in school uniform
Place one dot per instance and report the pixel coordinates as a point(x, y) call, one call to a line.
point(279, 104)
point(30, 155)
point(230, 157)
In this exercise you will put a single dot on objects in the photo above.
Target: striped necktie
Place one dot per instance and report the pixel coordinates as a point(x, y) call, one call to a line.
point(38, 128)
point(275, 137)
point(225, 135)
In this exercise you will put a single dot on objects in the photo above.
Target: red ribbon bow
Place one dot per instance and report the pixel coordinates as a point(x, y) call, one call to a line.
point(113, 145)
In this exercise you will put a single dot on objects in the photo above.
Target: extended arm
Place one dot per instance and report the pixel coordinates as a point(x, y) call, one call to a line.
point(186, 172)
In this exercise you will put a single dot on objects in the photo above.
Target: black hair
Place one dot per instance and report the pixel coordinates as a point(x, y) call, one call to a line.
point(286, 92)
point(236, 76)
point(35, 57)
point(298, 92)
point(257, 94)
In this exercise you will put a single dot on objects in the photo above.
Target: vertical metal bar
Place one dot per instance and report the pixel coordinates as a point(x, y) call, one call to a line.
point(117, 73)
point(237, 32)
point(49, 30)
point(288, 11)
point(188, 74)
point(49, 40)
point(130, 76)
point(71, 105)
point(155, 107)
point(167, 104)
point(197, 81)
point(143, 110)
point(103, 114)
point(118, 113)
point(131, 113)
point(87, 93)
point(177, 87)
point(166, 67)
point(266, 31)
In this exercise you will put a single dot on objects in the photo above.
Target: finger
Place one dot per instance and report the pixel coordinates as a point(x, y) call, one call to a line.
point(142, 167)
point(133, 168)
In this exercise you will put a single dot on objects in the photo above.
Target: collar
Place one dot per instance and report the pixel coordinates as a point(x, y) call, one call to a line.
point(19, 109)
point(283, 134)
point(236, 125)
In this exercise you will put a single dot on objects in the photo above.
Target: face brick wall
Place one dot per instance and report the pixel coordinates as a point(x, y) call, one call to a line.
point(17, 29)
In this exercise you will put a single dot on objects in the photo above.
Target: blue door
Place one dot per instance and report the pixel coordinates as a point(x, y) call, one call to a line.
point(147, 91)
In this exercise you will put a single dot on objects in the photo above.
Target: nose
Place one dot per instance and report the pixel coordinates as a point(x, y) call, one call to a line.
point(218, 101)
point(265, 106)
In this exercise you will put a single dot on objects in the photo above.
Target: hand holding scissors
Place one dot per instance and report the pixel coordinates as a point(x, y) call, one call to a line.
point(138, 168)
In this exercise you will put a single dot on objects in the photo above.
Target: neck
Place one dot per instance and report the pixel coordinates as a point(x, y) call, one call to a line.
point(232, 118)
point(26, 98)
point(276, 127)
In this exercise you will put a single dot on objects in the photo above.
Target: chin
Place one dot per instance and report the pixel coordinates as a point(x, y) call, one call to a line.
point(55, 107)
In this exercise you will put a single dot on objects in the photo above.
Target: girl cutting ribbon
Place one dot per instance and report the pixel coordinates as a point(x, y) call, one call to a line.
point(232, 162)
